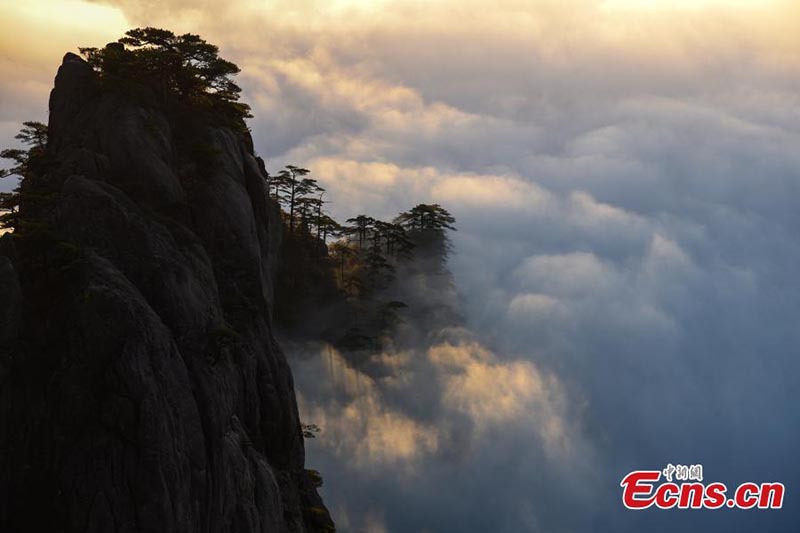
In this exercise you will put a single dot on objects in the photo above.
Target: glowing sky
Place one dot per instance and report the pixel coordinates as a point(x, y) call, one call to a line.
point(625, 175)
point(661, 5)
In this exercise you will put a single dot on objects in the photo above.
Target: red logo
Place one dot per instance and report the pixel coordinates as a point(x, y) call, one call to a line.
point(641, 490)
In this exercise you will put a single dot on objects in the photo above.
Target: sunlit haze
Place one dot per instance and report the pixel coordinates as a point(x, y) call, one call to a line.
point(625, 176)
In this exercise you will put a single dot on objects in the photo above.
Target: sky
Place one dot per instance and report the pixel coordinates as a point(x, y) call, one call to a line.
point(625, 177)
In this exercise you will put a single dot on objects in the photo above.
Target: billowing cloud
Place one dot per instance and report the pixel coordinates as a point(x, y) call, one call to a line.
point(625, 180)
point(376, 451)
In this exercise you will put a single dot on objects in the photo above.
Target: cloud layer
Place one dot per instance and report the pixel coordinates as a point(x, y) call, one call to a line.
point(625, 182)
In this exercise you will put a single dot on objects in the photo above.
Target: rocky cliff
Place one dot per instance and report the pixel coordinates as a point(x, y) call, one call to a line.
point(140, 385)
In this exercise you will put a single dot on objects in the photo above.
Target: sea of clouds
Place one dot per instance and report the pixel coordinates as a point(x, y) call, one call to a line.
point(626, 188)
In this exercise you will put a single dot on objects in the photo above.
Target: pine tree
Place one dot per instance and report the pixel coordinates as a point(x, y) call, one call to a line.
point(426, 217)
point(33, 134)
point(182, 66)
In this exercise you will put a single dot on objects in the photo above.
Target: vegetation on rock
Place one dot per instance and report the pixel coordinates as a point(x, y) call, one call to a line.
point(181, 68)
point(351, 277)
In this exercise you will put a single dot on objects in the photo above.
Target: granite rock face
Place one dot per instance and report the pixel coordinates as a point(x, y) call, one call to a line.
point(141, 389)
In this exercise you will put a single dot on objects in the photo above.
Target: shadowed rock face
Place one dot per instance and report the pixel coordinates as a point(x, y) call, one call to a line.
point(140, 385)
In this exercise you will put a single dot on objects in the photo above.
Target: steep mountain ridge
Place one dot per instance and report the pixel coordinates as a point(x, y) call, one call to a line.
point(141, 388)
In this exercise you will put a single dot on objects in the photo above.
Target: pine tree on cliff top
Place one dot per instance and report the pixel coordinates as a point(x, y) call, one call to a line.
point(184, 66)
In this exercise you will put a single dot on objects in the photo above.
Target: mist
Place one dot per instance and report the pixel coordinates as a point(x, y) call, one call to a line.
point(622, 289)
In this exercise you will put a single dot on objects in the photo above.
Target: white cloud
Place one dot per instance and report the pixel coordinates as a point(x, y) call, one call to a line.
point(626, 190)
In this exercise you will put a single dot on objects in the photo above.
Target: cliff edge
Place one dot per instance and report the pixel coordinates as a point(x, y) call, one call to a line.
point(141, 388)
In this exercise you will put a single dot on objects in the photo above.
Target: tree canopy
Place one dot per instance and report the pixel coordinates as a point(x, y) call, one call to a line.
point(185, 66)
point(300, 195)
point(34, 135)
point(354, 283)
point(427, 217)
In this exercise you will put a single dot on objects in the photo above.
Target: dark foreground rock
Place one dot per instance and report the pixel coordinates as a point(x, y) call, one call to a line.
point(141, 389)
